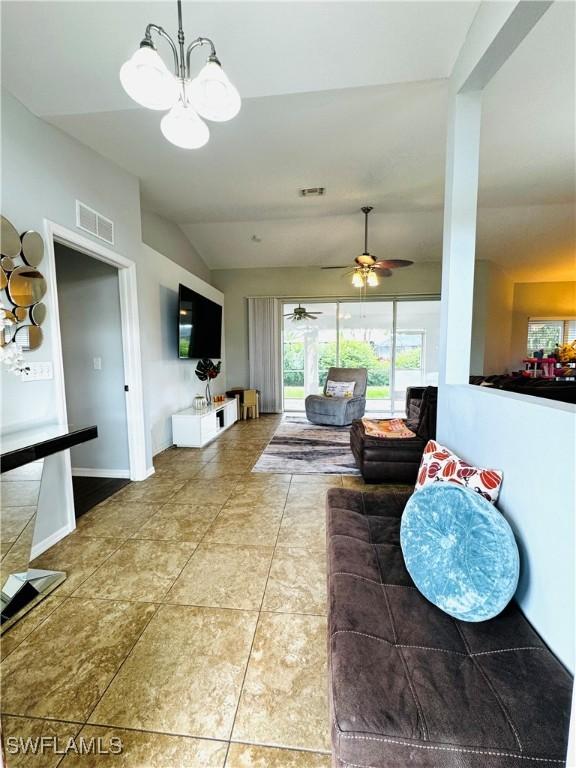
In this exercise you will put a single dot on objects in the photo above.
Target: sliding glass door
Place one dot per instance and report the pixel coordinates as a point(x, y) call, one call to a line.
point(396, 340)
point(365, 335)
point(309, 350)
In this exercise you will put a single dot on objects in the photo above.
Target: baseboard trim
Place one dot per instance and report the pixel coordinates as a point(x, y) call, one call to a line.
point(149, 472)
point(88, 472)
point(49, 541)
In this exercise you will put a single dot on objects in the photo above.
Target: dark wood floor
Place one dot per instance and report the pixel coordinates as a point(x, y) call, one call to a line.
point(89, 491)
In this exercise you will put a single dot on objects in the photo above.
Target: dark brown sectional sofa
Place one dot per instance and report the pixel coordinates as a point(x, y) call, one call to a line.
point(409, 685)
point(385, 460)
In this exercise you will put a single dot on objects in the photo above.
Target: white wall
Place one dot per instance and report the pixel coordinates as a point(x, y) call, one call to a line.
point(91, 327)
point(44, 172)
point(534, 442)
point(170, 383)
point(167, 238)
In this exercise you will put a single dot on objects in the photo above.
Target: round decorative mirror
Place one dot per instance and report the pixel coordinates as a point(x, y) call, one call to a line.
point(38, 313)
point(7, 264)
point(29, 336)
point(7, 332)
point(3, 279)
point(32, 248)
point(26, 286)
point(9, 238)
point(21, 313)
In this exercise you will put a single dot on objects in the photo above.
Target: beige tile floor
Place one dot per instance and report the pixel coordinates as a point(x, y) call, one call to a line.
point(192, 624)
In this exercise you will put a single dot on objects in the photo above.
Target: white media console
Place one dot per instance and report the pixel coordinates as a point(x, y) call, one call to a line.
point(194, 427)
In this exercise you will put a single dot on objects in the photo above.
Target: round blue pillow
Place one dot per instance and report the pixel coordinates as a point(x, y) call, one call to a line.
point(460, 551)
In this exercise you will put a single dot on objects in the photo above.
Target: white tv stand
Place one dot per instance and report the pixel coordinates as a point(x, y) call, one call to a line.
point(193, 427)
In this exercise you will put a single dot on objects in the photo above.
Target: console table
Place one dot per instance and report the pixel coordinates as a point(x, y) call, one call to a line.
point(22, 485)
point(195, 427)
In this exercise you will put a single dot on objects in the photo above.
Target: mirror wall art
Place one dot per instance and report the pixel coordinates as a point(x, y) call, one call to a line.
point(22, 284)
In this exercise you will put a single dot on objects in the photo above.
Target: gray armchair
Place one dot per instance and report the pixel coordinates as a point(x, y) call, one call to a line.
point(339, 411)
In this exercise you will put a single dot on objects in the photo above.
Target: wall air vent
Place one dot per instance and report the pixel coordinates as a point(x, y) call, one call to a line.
point(91, 221)
point(312, 192)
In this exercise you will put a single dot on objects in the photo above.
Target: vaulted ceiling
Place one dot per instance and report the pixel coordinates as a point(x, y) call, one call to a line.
point(349, 96)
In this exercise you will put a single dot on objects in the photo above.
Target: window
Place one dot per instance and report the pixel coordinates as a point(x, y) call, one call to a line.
point(395, 339)
point(546, 334)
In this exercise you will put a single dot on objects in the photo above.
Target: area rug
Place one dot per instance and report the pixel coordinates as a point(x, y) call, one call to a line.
point(301, 448)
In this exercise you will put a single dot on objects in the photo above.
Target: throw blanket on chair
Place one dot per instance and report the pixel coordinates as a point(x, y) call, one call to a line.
point(387, 428)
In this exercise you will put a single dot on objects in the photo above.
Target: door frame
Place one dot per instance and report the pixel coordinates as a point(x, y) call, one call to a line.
point(130, 329)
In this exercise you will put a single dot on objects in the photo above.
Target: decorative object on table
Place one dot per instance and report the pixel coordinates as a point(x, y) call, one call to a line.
point(460, 551)
point(439, 464)
point(199, 402)
point(24, 288)
point(301, 448)
point(206, 371)
point(146, 79)
point(567, 352)
point(368, 269)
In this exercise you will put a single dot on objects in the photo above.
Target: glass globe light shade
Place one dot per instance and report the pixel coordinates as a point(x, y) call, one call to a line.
point(183, 127)
point(148, 81)
point(357, 280)
point(372, 279)
point(212, 94)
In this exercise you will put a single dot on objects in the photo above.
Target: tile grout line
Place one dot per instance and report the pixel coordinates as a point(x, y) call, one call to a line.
point(257, 623)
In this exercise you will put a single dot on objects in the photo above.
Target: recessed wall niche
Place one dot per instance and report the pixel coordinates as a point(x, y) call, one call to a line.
point(22, 285)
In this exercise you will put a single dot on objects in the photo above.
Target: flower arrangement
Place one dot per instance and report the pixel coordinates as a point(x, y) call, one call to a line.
point(206, 371)
point(566, 353)
point(11, 354)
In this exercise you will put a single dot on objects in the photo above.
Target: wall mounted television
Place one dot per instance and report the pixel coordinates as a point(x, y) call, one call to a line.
point(199, 325)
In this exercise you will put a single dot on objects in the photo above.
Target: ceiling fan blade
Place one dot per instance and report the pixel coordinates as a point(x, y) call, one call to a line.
point(346, 267)
point(382, 271)
point(392, 263)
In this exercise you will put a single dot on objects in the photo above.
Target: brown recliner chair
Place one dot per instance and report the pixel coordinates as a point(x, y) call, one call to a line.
point(393, 460)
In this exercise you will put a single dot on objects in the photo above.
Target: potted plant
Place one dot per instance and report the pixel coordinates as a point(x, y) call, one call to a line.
point(206, 370)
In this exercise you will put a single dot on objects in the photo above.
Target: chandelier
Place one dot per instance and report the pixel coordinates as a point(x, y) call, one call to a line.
point(210, 95)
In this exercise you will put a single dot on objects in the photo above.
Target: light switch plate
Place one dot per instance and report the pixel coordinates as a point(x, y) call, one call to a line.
point(38, 372)
point(97, 363)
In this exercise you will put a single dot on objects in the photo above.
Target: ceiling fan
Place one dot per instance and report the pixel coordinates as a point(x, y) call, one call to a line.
point(301, 313)
point(368, 269)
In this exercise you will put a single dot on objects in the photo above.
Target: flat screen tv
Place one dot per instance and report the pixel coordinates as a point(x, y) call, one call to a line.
point(199, 325)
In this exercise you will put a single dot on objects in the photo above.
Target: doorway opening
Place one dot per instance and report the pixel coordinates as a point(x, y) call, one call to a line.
point(396, 339)
point(93, 360)
point(128, 332)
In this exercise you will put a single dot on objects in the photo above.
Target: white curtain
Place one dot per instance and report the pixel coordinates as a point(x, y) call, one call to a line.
point(264, 352)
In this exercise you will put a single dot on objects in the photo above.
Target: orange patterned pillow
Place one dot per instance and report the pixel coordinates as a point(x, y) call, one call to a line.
point(440, 464)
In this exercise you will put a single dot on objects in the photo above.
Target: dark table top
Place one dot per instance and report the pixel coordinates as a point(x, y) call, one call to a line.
point(24, 446)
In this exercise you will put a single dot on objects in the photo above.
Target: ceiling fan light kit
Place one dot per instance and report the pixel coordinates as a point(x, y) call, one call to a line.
point(210, 95)
point(368, 270)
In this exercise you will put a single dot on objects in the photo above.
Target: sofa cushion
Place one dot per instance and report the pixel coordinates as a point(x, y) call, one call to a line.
point(410, 685)
point(440, 464)
point(460, 551)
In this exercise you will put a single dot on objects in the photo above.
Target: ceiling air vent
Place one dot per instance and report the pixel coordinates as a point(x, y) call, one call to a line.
point(312, 192)
point(91, 221)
